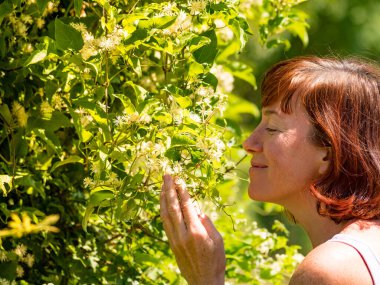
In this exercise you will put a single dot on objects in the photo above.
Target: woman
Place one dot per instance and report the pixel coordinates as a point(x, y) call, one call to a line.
point(317, 153)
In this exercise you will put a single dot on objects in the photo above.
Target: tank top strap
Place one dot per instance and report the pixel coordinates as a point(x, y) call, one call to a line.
point(368, 255)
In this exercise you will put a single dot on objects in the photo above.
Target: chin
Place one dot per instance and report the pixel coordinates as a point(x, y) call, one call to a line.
point(255, 194)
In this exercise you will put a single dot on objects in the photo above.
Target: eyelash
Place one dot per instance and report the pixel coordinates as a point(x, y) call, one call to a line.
point(269, 130)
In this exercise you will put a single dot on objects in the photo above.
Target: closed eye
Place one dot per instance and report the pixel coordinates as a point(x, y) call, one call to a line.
point(270, 130)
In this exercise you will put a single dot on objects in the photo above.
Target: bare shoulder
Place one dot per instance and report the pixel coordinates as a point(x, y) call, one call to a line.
point(332, 263)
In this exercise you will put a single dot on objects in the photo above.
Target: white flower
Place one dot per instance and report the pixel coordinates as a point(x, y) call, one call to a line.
point(195, 117)
point(85, 120)
point(145, 147)
point(205, 91)
point(225, 79)
point(202, 145)
point(167, 10)
point(104, 107)
point(123, 34)
point(20, 250)
point(226, 34)
point(298, 258)
point(40, 23)
point(87, 182)
point(275, 268)
point(107, 43)
point(3, 256)
point(263, 234)
point(178, 115)
point(158, 149)
point(165, 165)
point(79, 27)
point(134, 117)
point(29, 260)
point(113, 179)
point(182, 17)
point(177, 167)
point(180, 182)
point(207, 101)
point(197, 6)
point(4, 281)
point(219, 23)
point(95, 168)
point(145, 119)
point(19, 271)
point(266, 246)
point(120, 120)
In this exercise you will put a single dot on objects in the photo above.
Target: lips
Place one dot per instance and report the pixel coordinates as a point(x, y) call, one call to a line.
point(258, 165)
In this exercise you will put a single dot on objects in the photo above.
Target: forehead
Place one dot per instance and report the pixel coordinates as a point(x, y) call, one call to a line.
point(297, 114)
point(276, 107)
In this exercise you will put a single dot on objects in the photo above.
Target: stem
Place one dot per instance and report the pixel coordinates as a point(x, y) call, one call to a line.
point(165, 66)
point(5, 160)
point(133, 7)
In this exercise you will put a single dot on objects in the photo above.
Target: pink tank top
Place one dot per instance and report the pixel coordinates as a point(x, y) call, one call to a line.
point(369, 257)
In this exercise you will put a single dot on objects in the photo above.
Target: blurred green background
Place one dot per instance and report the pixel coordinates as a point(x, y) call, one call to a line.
point(337, 28)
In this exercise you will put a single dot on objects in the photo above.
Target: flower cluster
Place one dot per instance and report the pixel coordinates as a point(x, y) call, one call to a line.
point(182, 24)
point(128, 119)
point(213, 147)
point(22, 257)
point(197, 6)
point(107, 43)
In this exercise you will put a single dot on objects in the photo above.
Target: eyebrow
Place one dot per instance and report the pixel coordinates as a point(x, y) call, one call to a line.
point(269, 112)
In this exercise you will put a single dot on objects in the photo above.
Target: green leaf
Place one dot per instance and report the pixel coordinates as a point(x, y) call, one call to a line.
point(300, 30)
point(157, 22)
point(137, 37)
point(182, 140)
point(163, 117)
point(211, 80)
point(99, 197)
point(5, 114)
point(71, 159)
point(198, 42)
point(242, 105)
point(173, 153)
point(207, 53)
point(195, 68)
point(242, 71)
point(78, 7)
point(41, 4)
point(57, 120)
point(67, 37)
point(127, 104)
point(126, 209)
point(35, 57)
point(5, 8)
point(183, 102)
point(96, 199)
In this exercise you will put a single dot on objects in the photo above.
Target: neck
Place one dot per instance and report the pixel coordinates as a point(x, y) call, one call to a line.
point(319, 229)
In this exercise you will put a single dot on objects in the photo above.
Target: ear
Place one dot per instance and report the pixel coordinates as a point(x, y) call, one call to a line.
point(324, 160)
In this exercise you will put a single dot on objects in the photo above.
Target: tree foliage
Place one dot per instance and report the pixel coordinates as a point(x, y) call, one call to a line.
point(98, 100)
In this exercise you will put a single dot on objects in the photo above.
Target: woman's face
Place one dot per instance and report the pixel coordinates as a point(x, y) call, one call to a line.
point(284, 160)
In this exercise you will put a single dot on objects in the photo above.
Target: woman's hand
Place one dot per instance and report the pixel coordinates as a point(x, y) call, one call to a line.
point(197, 245)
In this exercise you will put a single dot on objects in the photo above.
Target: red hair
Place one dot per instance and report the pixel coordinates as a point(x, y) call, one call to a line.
point(342, 100)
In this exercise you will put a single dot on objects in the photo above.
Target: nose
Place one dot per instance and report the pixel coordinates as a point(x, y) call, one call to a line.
point(253, 143)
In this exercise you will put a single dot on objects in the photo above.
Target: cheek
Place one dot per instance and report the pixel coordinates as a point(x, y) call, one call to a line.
point(292, 164)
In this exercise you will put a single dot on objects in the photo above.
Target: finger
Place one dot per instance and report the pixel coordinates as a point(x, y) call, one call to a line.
point(173, 206)
point(164, 213)
point(190, 213)
point(209, 226)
